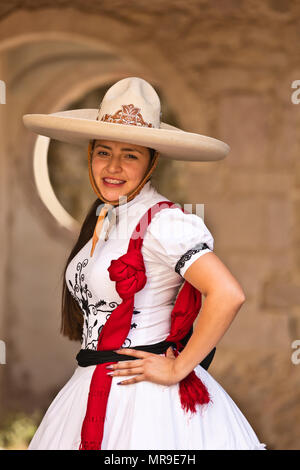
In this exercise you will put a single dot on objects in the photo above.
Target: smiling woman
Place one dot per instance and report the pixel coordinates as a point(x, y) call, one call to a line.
point(127, 297)
point(115, 170)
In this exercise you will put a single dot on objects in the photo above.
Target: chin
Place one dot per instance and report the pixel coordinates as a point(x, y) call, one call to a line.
point(113, 194)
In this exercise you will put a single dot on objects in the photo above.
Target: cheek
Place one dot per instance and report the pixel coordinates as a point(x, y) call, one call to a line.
point(97, 165)
point(138, 170)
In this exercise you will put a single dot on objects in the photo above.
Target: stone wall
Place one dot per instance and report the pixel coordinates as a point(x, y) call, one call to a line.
point(225, 70)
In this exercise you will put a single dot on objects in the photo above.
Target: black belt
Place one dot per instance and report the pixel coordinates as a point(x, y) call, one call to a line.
point(90, 357)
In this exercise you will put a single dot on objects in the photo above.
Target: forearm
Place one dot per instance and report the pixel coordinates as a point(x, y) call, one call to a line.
point(217, 313)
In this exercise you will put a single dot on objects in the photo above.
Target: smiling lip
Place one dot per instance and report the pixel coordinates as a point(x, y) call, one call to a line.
point(111, 185)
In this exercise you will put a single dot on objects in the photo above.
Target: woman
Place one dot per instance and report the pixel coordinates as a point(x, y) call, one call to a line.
point(122, 293)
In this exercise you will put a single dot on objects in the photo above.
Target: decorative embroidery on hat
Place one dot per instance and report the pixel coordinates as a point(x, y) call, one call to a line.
point(187, 256)
point(129, 115)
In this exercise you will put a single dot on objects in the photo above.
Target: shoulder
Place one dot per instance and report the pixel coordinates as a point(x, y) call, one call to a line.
point(178, 238)
point(175, 224)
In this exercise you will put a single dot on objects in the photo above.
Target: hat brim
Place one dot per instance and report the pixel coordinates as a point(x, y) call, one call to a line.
point(79, 126)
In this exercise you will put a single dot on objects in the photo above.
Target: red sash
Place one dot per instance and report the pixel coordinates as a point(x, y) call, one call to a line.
point(128, 272)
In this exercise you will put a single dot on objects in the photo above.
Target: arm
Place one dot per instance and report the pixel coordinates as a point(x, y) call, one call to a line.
point(223, 299)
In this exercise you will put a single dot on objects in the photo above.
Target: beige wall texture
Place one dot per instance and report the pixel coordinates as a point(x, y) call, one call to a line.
point(225, 69)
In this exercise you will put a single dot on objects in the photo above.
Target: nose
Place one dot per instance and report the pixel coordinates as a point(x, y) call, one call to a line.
point(114, 165)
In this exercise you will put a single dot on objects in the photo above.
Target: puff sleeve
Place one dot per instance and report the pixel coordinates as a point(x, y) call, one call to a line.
point(178, 239)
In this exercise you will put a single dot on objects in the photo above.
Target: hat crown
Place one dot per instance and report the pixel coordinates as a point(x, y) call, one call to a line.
point(131, 101)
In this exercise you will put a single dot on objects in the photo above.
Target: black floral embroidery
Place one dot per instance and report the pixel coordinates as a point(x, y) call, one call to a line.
point(187, 256)
point(80, 292)
point(135, 311)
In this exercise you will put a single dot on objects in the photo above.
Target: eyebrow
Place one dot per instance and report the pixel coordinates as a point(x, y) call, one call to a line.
point(123, 149)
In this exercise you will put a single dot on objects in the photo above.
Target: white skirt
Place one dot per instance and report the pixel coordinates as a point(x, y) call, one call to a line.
point(146, 416)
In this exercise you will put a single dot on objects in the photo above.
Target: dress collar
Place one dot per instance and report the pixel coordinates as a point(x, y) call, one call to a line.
point(118, 212)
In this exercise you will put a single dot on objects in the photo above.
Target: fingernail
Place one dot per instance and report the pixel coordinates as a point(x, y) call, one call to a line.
point(119, 383)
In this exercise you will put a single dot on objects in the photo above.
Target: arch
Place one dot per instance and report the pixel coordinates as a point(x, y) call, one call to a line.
point(44, 186)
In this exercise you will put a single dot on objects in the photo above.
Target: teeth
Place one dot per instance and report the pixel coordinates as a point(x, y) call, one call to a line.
point(113, 181)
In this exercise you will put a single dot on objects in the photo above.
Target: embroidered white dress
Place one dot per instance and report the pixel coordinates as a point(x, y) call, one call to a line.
point(142, 415)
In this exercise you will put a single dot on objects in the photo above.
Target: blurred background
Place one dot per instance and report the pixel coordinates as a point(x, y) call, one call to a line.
point(223, 68)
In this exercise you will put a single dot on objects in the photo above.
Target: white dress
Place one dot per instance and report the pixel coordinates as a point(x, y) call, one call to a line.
point(143, 415)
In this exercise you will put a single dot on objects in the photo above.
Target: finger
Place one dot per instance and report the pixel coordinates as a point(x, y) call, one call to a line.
point(138, 370)
point(170, 352)
point(125, 364)
point(133, 352)
point(134, 380)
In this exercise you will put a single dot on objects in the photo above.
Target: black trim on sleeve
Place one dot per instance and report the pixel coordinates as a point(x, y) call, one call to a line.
point(188, 255)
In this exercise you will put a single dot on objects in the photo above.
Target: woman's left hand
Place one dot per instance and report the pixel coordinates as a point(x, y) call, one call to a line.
point(148, 366)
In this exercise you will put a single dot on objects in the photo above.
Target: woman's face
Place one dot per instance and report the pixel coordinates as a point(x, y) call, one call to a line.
point(118, 167)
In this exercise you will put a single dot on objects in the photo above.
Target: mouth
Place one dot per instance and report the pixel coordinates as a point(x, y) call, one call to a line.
point(112, 182)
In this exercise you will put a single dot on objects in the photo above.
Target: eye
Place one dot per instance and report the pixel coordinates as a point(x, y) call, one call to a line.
point(130, 155)
point(101, 151)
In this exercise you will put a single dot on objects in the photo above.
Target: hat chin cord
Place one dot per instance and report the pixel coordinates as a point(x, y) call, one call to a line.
point(134, 192)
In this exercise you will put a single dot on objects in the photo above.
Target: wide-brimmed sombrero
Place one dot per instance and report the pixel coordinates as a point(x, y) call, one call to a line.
point(129, 112)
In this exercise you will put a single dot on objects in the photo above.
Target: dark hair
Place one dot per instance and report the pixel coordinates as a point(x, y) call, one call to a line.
point(71, 313)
